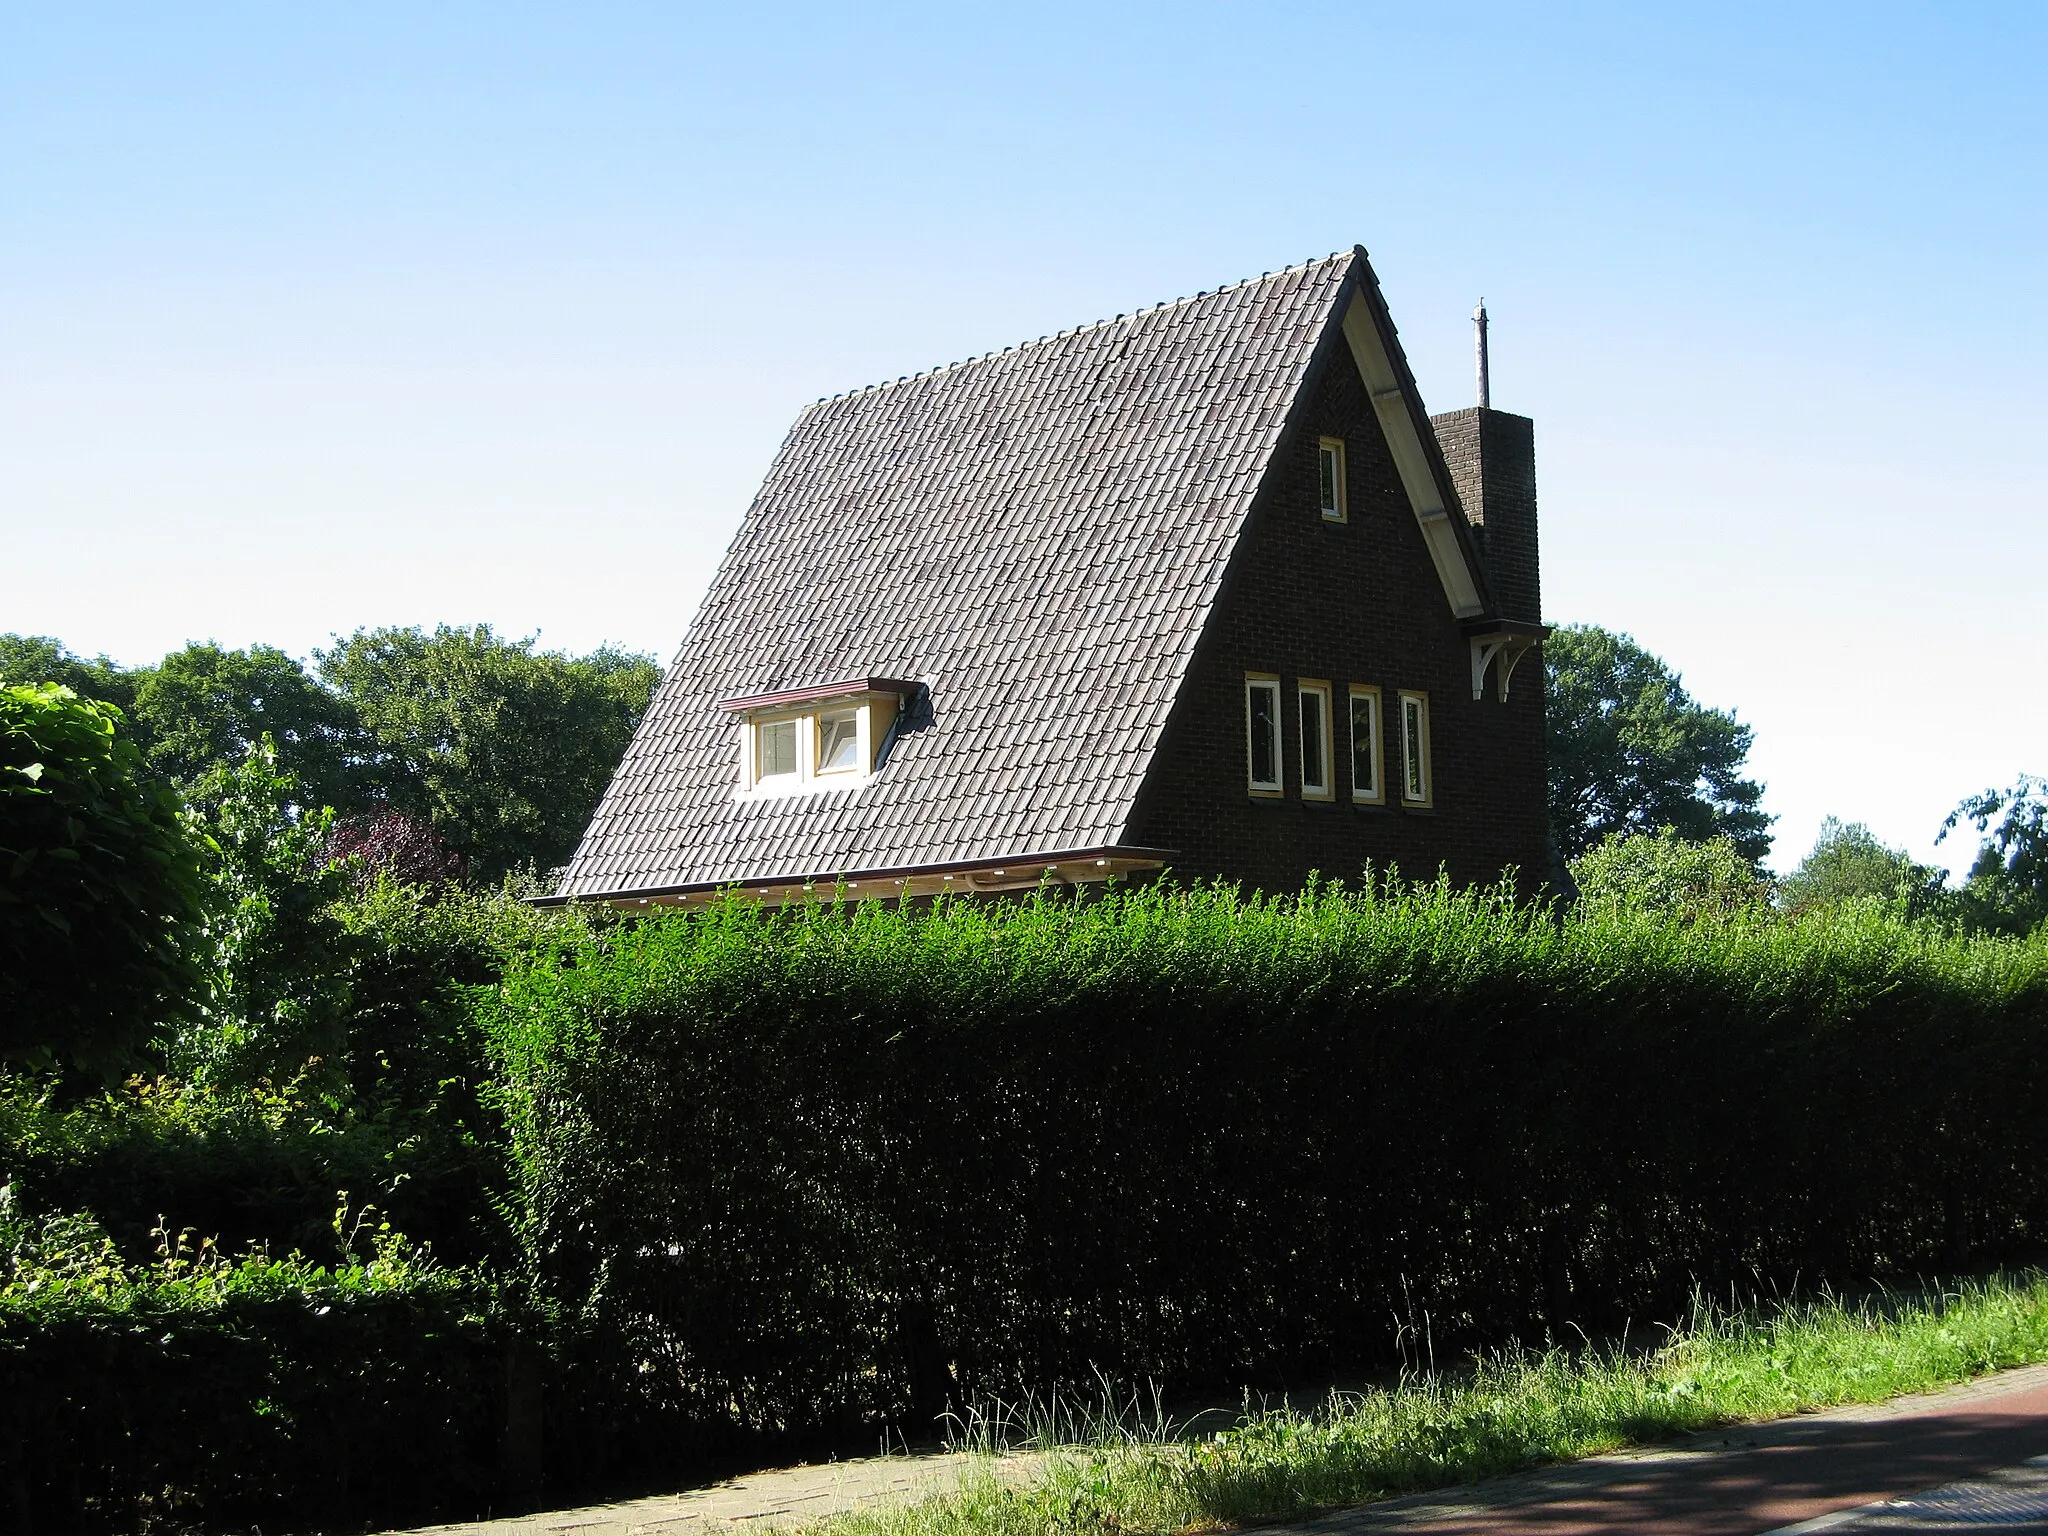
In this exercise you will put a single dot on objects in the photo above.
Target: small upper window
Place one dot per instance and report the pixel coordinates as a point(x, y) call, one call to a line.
point(1314, 701)
point(1365, 745)
point(838, 741)
point(1262, 733)
point(1330, 462)
point(1415, 748)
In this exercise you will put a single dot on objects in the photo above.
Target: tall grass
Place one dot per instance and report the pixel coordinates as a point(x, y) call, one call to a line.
point(1133, 1472)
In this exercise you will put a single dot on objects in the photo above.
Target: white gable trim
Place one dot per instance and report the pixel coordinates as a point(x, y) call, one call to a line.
point(1397, 421)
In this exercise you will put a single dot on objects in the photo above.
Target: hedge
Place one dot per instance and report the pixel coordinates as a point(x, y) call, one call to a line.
point(833, 1164)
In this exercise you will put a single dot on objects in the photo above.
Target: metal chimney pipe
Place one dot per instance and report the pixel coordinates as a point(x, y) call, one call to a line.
point(1479, 354)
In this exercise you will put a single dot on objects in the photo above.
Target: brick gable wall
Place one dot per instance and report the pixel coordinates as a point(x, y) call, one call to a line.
point(1357, 602)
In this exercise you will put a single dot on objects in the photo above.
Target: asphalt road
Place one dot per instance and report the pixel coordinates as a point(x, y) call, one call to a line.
point(1954, 1460)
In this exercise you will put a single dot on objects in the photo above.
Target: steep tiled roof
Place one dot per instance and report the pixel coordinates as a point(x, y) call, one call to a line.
point(1036, 534)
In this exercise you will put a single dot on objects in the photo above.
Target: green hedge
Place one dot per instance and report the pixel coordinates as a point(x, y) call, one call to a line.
point(258, 1391)
point(836, 1163)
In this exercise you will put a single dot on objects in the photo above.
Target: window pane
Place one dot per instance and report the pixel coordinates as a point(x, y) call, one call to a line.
point(1411, 740)
point(1264, 700)
point(1312, 741)
point(778, 748)
point(838, 741)
point(1365, 746)
point(1329, 458)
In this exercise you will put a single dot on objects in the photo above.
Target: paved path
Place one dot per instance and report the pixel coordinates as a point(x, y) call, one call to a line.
point(1950, 1460)
point(1754, 1478)
point(788, 1497)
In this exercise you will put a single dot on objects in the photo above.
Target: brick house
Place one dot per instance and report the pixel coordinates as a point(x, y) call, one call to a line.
point(1201, 587)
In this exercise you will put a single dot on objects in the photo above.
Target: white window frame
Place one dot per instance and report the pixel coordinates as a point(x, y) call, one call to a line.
point(875, 713)
point(1373, 792)
point(1306, 688)
point(1415, 748)
point(1274, 787)
point(1332, 448)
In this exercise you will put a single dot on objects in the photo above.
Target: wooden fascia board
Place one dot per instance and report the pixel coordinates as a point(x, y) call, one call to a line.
point(1418, 458)
point(1116, 859)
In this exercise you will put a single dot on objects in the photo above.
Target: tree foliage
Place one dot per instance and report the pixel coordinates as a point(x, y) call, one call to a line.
point(1632, 751)
point(502, 747)
point(203, 708)
point(43, 659)
point(278, 999)
point(1669, 874)
point(1849, 864)
point(2008, 885)
point(101, 898)
point(452, 746)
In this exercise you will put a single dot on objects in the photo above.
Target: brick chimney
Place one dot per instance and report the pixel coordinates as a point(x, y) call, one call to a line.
point(1492, 459)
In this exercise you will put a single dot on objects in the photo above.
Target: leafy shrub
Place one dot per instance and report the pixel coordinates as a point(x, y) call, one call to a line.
point(1669, 874)
point(100, 892)
point(833, 1162)
point(241, 1390)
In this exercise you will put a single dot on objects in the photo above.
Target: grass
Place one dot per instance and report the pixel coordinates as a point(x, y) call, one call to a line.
point(1122, 1468)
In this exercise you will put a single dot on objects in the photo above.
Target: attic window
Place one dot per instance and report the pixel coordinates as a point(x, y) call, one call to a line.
point(830, 737)
point(1330, 467)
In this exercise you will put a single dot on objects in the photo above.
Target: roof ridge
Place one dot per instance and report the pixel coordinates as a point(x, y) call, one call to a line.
point(1074, 330)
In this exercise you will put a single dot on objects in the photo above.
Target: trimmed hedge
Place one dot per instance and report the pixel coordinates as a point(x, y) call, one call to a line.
point(837, 1163)
point(257, 1392)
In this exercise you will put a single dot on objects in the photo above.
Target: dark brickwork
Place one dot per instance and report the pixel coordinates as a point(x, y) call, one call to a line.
point(1357, 602)
point(1492, 458)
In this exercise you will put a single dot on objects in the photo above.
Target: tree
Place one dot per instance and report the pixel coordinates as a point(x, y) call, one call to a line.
point(26, 659)
point(2008, 885)
point(1849, 864)
point(278, 995)
point(503, 748)
point(1667, 873)
point(1632, 751)
point(205, 708)
point(101, 899)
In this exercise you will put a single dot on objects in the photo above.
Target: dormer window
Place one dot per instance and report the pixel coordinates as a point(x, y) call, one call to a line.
point(829, 737)
point(1330, 463)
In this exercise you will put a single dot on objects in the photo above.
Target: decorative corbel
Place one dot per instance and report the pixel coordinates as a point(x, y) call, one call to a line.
point(1484, 649)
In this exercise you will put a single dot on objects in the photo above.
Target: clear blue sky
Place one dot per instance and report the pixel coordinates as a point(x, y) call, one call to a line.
point(313, 318)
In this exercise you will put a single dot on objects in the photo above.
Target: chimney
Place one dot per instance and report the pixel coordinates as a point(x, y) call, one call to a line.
point(1492, 459)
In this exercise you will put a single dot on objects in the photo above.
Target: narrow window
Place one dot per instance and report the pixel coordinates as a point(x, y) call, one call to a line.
point(1330, 459)
point(1314, 701)
point(775, 749)
point(1415, 748)
point(1365, 745)
point(1262, 733)
point(838, 740)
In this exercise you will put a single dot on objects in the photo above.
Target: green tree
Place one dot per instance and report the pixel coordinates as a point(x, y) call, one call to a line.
point(278, 998)
point(2008, 886)
point(204, 708)
point(1632, 751)
point(1636, 872)
point(101, 899)
point(1848, 864)
point(42, 659)
point(502, 747)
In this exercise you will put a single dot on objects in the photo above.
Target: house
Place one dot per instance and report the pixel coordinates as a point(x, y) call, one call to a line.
point(1198, 588)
